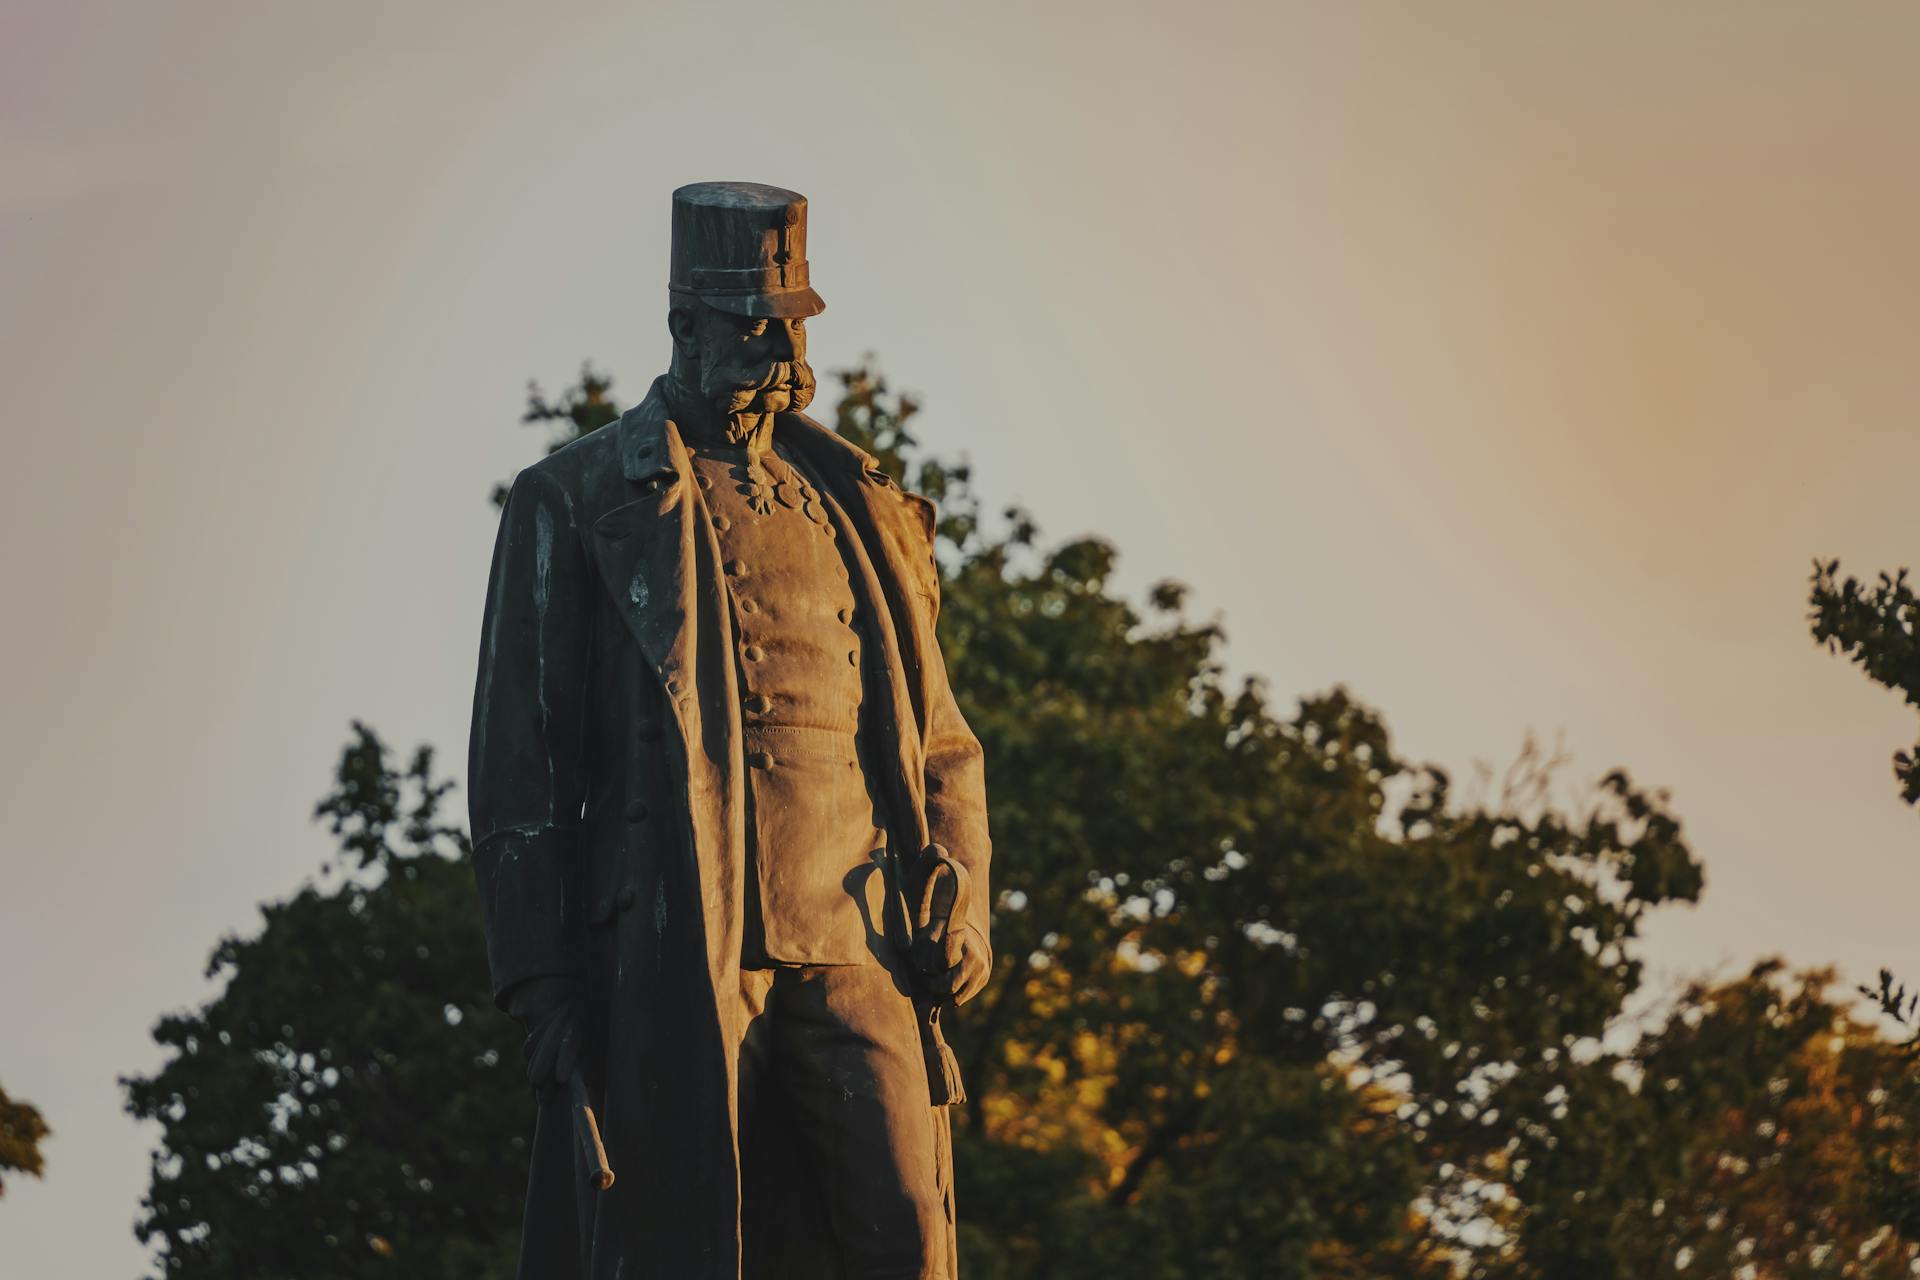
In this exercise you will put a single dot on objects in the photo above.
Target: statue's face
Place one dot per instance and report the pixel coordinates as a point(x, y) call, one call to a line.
point(750, 365)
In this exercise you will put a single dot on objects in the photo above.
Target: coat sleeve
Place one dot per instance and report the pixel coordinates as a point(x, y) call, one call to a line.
point(526, 785)
point(956, 786)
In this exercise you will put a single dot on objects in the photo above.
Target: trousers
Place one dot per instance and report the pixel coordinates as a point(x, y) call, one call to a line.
point(833, 1104)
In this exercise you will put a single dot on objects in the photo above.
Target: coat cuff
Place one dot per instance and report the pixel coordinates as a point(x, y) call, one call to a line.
point(529, 905)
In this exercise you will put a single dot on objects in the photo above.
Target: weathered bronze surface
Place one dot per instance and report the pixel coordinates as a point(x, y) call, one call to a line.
point(730, 829)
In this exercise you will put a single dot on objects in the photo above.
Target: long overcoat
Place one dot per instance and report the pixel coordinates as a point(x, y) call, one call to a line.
point(608, 813)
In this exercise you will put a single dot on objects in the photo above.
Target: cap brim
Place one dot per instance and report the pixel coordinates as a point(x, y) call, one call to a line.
point(785, 305)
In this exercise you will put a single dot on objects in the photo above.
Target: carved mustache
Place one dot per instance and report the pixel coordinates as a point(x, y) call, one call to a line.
point(796, 376)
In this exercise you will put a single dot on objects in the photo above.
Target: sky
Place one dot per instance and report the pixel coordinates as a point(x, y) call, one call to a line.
point(1507, 363)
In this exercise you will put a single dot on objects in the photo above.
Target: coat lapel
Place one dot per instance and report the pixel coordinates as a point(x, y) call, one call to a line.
point(644, 547)
point(660, 560)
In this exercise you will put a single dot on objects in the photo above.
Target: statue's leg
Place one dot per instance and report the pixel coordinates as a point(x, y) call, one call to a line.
point(784, 1230)
point(849, 1067)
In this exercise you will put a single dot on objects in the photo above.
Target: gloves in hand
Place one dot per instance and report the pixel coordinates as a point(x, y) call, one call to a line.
point(951, 956)
point(552, 1014)
point(972, 966)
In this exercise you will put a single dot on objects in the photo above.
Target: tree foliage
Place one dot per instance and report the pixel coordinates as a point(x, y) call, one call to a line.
point(1766, 1117)
point(22, 1130)
point(349, 1104)
point(1875, 627)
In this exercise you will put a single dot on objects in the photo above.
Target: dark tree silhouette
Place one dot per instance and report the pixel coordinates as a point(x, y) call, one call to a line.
point(351, 1103)
point(22, 1130)
point(1875, 627)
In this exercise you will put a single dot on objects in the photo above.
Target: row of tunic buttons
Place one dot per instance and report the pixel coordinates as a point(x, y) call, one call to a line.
point(738, 569)
point(760, 703)
point(846, 617)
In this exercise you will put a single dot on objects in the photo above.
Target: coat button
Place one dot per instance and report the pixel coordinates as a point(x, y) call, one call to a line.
point(626, 898)
point(761, 759)
point(853, 657)
point(759, 704)
point(754, 653)
point(738, 568)
point(845, 615)
point(705, 483)
point(636, 811)
point(749, 606)
point(722, 523)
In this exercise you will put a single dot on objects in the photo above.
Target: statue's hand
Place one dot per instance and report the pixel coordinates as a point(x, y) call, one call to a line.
point(969, 973)
point(549, 1011)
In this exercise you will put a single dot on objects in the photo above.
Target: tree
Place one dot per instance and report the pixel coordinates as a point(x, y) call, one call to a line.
point(1765, 1117)
point(22, 1130)
point(349, 1104)
point(1875, 627)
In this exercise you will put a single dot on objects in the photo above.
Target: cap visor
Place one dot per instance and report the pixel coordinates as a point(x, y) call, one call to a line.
point(784, 305)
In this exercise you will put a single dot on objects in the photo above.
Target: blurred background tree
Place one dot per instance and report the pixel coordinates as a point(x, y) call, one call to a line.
point(351, 1104)
point(1752, 1142)
point(1270, 1000)
point(22, 1130)
point(1874, 627)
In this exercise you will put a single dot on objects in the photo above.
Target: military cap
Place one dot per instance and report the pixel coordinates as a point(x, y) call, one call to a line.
point(742, 247)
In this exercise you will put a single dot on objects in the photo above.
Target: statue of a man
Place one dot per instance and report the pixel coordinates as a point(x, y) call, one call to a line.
point(730, 829)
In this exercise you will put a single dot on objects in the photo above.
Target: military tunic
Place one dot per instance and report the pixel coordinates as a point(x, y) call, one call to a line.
point(821, 992)
point(816, 837)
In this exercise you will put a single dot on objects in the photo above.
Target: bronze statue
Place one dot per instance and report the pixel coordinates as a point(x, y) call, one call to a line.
point(730, 829)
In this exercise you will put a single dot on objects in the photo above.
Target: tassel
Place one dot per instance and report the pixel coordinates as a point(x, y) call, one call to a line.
point(944, 1085)
point(955, 1091)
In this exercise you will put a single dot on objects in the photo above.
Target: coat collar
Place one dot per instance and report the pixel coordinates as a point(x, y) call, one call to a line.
point(650, 442)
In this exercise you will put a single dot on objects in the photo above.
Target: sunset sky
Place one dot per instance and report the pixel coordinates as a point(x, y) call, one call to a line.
point(1508, 363)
